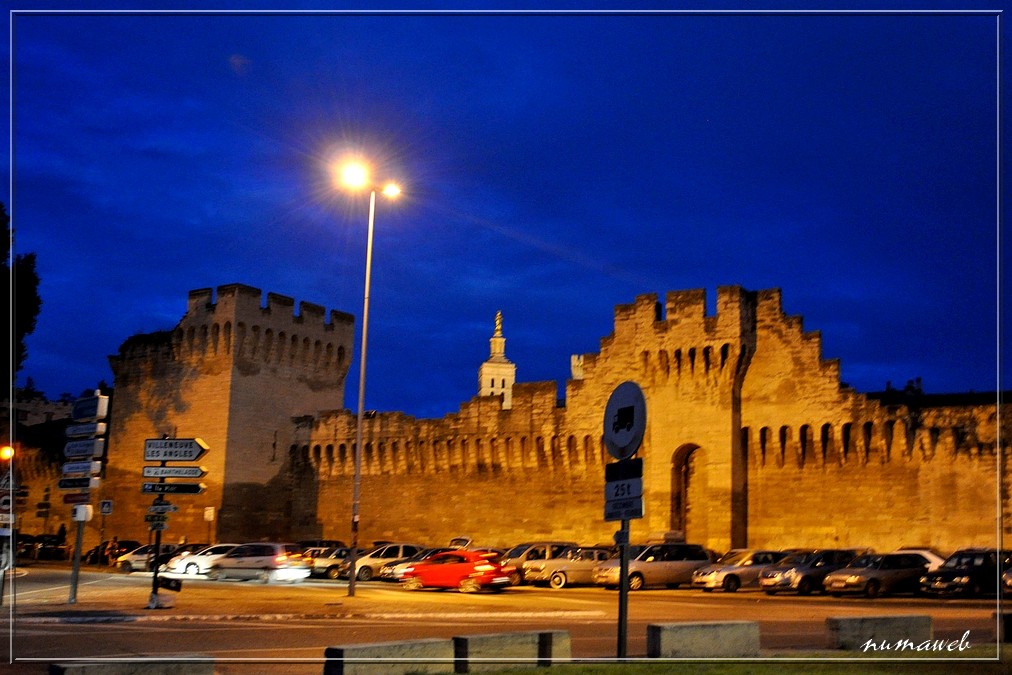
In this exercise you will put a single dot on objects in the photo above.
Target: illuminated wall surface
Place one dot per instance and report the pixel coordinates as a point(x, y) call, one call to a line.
point(751, 438)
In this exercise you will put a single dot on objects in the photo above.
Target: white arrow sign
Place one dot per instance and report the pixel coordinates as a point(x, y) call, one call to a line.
point(81, 467)
point(163, 508)
point(174, 449)
point(174, 472)
point(93, 447)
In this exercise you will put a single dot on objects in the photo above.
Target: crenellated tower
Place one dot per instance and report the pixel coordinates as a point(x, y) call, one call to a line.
point(232, 372)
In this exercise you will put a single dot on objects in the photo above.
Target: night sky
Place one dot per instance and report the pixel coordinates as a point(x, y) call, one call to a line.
point(553, 165)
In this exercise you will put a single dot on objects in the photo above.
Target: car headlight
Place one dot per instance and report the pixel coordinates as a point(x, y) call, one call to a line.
point(854, 579)
point(962, 580)
point(791, 573)
point(924, 580)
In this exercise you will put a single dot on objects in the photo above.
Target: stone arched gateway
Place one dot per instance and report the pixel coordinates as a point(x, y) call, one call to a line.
point(688, 492)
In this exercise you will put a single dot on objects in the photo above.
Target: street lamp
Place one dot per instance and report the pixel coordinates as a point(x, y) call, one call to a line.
point(355, 175)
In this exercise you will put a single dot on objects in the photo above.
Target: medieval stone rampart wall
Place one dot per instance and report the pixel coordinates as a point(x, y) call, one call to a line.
point(233, 373)
point(751, 440)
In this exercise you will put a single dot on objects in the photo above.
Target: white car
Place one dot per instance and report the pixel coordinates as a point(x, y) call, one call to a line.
point(265, 561)
point(934, 558)
point(140, 559)
point(199, 562)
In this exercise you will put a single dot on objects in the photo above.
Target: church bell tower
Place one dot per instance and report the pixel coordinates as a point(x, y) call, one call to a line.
point(497, 375)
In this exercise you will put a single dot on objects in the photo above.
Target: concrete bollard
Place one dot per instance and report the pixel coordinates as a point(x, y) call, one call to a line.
point(178, 665)
point(390, 658)
point(495, 651)
point(554, 647)
point(1004, 619)
point(862, 631)
point(709, 639)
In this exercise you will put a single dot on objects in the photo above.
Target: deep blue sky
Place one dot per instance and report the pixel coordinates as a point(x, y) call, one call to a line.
point(554, 165)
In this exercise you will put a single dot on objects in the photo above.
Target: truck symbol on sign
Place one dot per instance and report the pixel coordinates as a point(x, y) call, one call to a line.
point(623, 419)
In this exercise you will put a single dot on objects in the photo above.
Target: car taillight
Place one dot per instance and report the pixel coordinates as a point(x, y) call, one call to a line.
point(280, 559)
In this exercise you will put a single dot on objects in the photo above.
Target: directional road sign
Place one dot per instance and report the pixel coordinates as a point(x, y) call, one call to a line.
point(156, 518)
point(92, 447)
point(70, 468)
point(158, 527)
point(83, 430)
point(174, 472)
point(173, 488)
point(84, 482)
point(162, 508)
point(174, 449)
point(90, 408)
point(77, 498)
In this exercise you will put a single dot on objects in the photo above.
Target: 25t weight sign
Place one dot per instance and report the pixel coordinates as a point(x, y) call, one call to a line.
point(623, 489)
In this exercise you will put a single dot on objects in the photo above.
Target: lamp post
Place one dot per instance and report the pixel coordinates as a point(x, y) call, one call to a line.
point(355, 176)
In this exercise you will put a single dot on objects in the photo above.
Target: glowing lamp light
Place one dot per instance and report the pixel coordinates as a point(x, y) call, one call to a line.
point(6, 452)
point(391, 190)
point(354, 175)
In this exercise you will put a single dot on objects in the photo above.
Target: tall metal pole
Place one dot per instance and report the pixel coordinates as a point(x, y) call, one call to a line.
point(357, 485)
point(623, 591)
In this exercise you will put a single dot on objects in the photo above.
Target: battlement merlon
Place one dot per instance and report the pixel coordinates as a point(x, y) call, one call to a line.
point(245, 302)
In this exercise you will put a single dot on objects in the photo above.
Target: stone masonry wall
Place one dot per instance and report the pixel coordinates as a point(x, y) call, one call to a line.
point(232, 373)
point(751, 440)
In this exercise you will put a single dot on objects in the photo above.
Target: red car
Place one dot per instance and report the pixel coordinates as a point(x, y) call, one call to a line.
point(467, 571)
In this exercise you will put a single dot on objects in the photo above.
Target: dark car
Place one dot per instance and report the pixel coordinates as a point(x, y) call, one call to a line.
point(969, 572)
point(99, 556)
point(877, 574)
point(804, 571)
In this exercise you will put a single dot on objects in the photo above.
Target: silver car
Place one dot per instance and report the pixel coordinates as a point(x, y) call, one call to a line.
point(265, 561)
point(369, 564)
point(519, 559)
point(657, 565)
point(574, 565)
point(735, 569)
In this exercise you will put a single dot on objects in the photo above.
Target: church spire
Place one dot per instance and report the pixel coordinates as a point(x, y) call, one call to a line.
point(498, 374)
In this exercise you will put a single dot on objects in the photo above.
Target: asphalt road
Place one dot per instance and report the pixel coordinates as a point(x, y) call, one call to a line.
point(288, 626)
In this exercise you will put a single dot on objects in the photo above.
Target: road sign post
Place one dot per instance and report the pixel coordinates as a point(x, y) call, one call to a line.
point(90, 412)
point(625, 419)
point(166, 450)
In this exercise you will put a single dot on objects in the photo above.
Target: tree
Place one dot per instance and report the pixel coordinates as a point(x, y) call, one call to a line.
point(25, 300)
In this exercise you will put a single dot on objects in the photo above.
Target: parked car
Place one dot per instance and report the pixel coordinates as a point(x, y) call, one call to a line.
point(368, 565)
point(327, 563)
point(735, 569)
point(669, 564)
point(804, 571)
point(520, 555)
point(466, 570)
point(162, 560)
point(394, 570)
point(970, 572)
point(98, 555)
point(875, 574)
point(265, 561)
point(198, 562)
point(934, 558)
point(51, 547)
point(320, 543)
point(141, 558)
point(1006, 582)
point(573, 565)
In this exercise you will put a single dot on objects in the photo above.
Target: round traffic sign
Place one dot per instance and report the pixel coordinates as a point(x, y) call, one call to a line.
point(625, 420)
